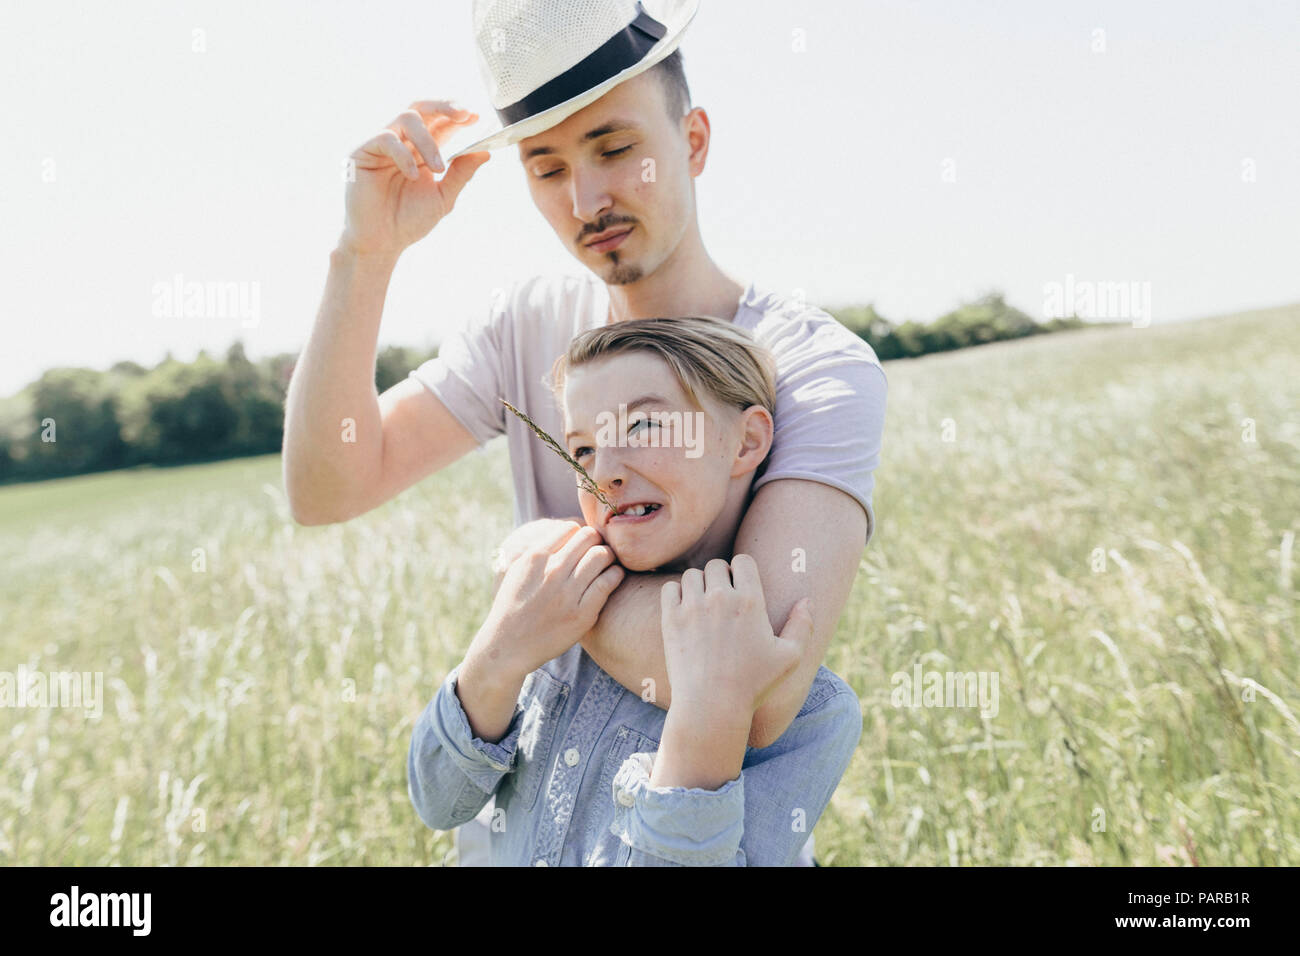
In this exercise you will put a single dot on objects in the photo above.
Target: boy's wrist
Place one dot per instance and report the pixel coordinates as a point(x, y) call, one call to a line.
point(492, 657)
point(703, 745)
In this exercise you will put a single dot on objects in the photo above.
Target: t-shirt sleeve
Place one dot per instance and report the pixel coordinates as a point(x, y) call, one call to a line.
point(830, 410)
point(467, 373)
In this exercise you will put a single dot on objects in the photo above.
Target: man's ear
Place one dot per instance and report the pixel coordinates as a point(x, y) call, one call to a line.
point(698, 133)
point(755, 440)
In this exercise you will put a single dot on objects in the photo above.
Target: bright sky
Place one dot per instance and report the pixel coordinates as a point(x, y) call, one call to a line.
point(914, 154)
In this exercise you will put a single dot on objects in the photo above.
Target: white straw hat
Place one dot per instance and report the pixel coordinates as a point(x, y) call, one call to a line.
point(543, 60)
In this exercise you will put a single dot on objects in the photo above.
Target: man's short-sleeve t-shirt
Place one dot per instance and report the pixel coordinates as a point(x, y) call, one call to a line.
point(830, 398)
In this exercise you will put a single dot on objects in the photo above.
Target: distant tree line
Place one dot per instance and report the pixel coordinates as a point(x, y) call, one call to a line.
point(76, 420)
point(987, 319)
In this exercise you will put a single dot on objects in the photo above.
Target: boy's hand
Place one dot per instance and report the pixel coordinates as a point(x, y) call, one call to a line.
point(550, 596)
point(538, 533)
point(721, 654)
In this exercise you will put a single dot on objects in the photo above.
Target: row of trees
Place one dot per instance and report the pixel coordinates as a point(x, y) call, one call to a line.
point(987, 319)
point(76, 420)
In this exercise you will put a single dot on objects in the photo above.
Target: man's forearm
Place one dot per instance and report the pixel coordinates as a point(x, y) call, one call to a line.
point(806, 539)
point(627, 644)
point(327, 462)
point(627, 641)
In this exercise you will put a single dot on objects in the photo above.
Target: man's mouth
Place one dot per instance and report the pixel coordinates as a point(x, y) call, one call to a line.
point(635, 513)
point(609, 239)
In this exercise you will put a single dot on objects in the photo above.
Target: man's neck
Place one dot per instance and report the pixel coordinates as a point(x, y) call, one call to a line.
point(687, 283)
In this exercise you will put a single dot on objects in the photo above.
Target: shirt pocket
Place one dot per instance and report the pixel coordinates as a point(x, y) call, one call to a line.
point(607, 849)
point(542, 698)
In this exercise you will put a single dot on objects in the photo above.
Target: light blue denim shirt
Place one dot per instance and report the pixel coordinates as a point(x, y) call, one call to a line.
point(571, 776)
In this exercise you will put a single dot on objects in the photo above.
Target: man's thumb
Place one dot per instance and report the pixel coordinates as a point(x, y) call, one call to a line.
point(459, 172)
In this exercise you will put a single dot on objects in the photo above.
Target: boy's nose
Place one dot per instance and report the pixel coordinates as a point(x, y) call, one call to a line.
point(608, 470)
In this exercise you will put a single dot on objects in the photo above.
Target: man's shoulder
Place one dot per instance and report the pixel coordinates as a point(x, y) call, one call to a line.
point(794, 328)
point(547, 294)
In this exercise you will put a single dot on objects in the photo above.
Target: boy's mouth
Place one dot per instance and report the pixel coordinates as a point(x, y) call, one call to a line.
point(635, 512)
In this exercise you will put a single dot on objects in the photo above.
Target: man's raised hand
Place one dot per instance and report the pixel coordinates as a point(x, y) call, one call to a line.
point(394, 199)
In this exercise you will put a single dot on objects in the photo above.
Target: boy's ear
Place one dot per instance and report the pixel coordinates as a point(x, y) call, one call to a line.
point(755, 441)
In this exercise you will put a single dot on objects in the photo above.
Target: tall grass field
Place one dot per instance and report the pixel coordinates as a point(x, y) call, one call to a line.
point(1104, 521)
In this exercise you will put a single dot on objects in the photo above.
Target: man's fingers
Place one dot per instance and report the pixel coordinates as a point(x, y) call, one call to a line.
point(389, 144)
point(443, 118)
point(432, 108)
point(413, 125)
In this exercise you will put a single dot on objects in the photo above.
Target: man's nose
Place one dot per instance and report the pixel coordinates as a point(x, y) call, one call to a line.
point(590, 198)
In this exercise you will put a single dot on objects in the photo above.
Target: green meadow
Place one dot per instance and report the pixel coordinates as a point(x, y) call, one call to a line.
point(1103, 519)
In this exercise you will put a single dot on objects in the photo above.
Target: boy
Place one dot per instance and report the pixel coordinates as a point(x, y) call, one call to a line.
point(585, 772)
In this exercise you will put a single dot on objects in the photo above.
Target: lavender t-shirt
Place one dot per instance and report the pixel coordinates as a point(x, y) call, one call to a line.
point(830, 397)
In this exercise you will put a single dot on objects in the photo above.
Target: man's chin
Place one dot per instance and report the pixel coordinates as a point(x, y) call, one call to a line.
point(620, 272)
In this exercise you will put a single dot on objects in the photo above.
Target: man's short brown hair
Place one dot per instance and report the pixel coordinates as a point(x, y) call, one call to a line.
point(672, 77)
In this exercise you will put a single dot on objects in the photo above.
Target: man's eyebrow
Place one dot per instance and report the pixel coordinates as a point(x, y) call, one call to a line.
point(613, 126)
point(631, 407)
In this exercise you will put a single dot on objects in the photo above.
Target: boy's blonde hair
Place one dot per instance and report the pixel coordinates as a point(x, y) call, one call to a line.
point(706, 354)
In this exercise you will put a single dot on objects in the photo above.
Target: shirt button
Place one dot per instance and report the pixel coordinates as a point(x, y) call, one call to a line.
point(571, 756)
point(540, 863)
point(625, 798)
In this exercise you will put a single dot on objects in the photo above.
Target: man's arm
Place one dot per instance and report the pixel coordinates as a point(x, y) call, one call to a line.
point(347, 449)
point(807, 540)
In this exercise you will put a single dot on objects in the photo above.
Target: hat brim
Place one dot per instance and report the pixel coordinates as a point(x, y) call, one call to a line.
point(675, 15)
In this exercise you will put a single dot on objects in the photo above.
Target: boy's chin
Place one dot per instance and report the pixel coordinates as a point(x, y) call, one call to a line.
point(636, 564)
point(643, 561)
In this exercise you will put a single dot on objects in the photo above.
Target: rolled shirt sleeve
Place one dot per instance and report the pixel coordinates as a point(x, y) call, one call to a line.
point(467, 373)
point(761, 818)
point(830, 406)
point(451, 774)
point(677, 826)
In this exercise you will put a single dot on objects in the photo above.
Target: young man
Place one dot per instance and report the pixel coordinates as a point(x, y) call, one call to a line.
point(611, 147)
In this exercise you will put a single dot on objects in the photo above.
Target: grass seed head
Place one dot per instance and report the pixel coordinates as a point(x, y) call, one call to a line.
point(588, 483)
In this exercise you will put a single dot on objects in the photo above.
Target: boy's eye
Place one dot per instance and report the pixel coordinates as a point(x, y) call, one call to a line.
point(636, 431)
point(582, 453)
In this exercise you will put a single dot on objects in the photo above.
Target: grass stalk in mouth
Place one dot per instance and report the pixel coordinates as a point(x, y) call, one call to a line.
point(588, 483)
